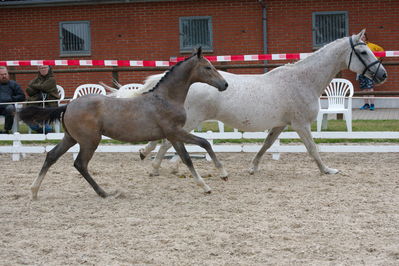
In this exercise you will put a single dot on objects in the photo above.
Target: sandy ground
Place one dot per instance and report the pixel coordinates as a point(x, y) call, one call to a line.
point(286, 214)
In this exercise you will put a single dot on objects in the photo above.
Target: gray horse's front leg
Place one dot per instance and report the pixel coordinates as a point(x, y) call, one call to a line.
point(270, 139)
point(147, 149)
point(306, 135)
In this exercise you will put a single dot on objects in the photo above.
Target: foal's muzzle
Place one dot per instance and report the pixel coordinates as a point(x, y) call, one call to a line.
point(223, 87)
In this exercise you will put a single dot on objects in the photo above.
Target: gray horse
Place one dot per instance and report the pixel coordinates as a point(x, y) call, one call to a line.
point(288, 95)
point(157, 114)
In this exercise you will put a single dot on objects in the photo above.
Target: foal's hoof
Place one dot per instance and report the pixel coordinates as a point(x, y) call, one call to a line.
point(142, 155)
point(208, 192)
point(252, 171)
point(224, 178)
point(34, 193)
point(102, 194)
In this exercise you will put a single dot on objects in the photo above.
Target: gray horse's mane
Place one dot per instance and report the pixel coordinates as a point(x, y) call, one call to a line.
point(314, 54)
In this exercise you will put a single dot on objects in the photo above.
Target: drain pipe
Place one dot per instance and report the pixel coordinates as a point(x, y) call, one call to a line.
point(264, 29)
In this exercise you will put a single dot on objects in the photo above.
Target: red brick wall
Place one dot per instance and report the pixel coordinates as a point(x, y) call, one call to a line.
point(150, 31)
point(290, 24)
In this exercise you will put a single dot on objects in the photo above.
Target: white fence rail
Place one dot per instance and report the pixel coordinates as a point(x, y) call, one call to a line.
point(17, 149)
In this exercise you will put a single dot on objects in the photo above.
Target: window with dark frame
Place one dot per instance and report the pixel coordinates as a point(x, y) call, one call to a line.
point(329, 26)
point(75, 38)
point(195, 32)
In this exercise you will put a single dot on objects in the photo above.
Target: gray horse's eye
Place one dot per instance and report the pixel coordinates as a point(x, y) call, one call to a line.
point(364, 53)
point(208, 68)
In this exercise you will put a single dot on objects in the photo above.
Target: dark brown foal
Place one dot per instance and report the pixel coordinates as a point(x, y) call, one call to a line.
point(158, 113)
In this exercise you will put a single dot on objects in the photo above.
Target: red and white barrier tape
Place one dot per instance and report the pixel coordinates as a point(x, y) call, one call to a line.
point(123, 63)
point(172, 61)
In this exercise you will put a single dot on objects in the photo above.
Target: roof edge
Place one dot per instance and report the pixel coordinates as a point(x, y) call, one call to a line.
point(41, 3)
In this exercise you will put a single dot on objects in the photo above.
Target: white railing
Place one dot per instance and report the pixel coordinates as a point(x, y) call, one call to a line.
point(17, 149)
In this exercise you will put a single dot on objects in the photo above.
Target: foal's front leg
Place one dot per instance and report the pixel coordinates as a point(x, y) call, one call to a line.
point(183, 136)
point(305, 134)
point(185, 157)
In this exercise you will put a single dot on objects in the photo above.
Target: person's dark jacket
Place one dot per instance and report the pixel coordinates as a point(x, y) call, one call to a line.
point(11, 92)
point(43, 84)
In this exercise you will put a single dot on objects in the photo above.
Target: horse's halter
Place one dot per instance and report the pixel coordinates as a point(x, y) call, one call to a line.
point(367, 67)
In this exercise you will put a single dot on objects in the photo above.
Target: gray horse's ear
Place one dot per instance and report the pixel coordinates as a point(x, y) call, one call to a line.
point(199, 52)
point(359, 36)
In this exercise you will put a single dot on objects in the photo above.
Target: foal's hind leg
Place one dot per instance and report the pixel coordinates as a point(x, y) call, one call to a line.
point(51, 158)
point(156, 164)
point(183, 136)
point(270, 139)
point(181, 150)
point(306, 135)
point(85, 154)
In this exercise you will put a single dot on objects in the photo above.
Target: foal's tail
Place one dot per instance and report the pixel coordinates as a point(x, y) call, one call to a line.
point(33, 114)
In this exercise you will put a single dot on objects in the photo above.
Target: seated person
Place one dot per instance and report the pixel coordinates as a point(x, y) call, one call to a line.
point(10, 91)
point(43, 87)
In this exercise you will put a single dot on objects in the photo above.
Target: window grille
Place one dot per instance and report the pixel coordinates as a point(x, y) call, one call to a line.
point(75, 38)
point(329, 26)
point(195, 32)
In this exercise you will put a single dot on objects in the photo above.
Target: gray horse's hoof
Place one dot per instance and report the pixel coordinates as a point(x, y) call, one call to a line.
point(224, 178)
point(331, 171)
point(142, 156)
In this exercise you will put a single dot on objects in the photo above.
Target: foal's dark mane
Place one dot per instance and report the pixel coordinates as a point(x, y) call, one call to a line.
point(168, 72)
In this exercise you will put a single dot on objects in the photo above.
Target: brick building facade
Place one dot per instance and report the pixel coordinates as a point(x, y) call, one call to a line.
point(149, 30)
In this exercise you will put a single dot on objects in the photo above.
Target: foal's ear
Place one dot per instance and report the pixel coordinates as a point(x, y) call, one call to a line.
point(359, 36)
point(199, 52)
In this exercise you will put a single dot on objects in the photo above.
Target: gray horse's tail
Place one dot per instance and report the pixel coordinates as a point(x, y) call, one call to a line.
point(37, 114)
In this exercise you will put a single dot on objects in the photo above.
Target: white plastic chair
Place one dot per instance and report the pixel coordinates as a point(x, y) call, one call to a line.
point(337, 91)
point(61, 92)
point(88, 89)
point(131, 86)
point(123, 91)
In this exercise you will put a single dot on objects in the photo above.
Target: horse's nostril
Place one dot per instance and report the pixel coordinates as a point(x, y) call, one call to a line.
point(384, 76)
point(226, 85)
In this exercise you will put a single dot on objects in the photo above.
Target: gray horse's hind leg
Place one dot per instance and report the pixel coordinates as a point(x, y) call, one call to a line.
point(52, 156)
point(147, 149)
point(85, 154)
point(270, 139)
point(185, 157)
point(306, 135)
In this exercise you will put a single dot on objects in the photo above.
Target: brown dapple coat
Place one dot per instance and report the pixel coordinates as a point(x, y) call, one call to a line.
point(154, 115)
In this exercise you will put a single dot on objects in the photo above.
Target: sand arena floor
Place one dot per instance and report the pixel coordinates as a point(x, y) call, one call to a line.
point(286, 214)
